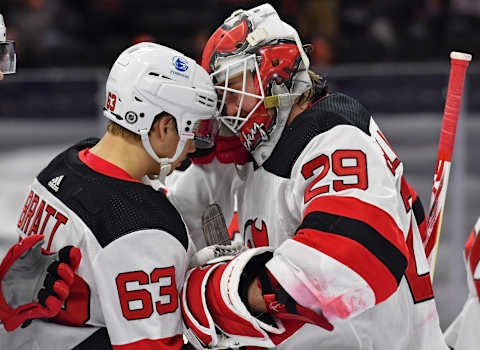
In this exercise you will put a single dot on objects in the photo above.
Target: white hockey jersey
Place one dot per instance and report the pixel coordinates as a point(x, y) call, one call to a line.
point(135, 251)
point(348, 228)
point(464, 332)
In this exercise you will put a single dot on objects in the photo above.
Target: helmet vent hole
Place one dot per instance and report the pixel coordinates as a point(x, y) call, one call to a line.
point(154, 74)
point(238, 44)
point(275, 62)
point(137, 99)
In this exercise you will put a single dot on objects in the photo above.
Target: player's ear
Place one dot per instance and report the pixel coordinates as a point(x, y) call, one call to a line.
point(161, 126)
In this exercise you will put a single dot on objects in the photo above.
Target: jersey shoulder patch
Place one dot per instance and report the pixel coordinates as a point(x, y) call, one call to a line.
point(110, 207)
point(330, 111)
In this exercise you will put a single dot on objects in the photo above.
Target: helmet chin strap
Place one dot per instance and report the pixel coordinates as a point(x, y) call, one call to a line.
point(165, 163)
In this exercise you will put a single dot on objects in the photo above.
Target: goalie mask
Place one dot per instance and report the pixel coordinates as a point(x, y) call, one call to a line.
point(256, 44)
point(148, 79)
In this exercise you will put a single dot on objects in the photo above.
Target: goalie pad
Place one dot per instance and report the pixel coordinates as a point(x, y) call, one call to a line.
point(214, 302)
point(215, 315)
point(34, 283)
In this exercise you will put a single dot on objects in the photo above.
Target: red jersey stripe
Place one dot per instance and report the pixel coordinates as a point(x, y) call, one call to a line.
point(355, 256)
point(357, 209)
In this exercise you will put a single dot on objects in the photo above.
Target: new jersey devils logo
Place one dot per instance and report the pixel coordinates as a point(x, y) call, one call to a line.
point(255, 237)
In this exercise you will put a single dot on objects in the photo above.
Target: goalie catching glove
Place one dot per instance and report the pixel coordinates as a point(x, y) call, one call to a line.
point(215, 307)
point(34, 283)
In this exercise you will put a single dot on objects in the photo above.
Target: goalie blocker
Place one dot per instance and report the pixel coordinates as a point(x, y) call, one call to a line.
point(214, 303)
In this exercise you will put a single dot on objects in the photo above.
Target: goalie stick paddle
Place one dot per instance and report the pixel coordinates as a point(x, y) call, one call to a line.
point(458, 67)
point(214, 227)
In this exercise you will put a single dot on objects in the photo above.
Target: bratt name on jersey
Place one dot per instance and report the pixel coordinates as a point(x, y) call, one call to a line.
point(34, 208)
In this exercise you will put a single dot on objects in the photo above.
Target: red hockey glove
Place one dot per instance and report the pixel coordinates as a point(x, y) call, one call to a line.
point(228, 149)
point(213, 302)
point(34, 283)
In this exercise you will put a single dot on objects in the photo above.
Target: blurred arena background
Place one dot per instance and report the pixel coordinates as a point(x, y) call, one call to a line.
point(391, 55)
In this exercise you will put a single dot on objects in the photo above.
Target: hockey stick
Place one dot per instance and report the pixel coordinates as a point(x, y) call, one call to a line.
point(458, 67)
point(214, 227)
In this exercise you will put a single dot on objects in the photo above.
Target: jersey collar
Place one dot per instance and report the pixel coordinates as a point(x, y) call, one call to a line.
point(101, 166)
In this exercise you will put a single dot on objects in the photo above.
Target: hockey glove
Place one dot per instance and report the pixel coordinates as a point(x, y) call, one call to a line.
point(215, 310)
point(34, 283)
point(228, 149)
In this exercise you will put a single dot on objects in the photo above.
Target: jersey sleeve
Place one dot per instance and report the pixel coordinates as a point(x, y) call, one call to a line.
point(139, 277)
point(472, 261)
point(349, 252)
point(199, 186)
point(463, 333)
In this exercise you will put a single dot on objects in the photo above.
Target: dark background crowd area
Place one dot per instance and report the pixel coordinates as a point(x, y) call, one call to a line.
point(91, 33)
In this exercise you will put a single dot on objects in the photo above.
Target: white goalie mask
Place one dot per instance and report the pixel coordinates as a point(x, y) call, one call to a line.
point(148, 79)
point(256, 47)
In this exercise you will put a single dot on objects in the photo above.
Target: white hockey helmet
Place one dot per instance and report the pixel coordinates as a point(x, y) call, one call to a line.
point(258, 42)
point(148, 79)
point(8, 58)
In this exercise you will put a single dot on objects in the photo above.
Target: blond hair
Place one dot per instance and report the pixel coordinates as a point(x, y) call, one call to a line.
point(118, 130)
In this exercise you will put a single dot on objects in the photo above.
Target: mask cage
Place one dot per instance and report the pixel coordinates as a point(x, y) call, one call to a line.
point(242, 66)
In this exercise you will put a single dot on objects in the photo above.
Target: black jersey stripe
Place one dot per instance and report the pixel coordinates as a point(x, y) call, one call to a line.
point(418, 211)
point(362, 233)
point(98, 340)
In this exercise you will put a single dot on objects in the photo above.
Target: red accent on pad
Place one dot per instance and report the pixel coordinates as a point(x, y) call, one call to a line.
point(194, 295)
point(204, 337)
point(356, 209)
point(356, 257)
point(170, 343)
point(291, 327)
point(226, 320)
point(104, 167)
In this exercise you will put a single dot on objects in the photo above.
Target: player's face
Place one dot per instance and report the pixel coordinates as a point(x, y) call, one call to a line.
point(1, 76)
point(233, 99)
point(189, 148)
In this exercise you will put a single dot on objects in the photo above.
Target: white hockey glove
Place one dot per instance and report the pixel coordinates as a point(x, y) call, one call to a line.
point(216, 314)
point(33, 283)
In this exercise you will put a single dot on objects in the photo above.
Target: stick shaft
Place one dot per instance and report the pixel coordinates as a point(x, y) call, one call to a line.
point(459, 63)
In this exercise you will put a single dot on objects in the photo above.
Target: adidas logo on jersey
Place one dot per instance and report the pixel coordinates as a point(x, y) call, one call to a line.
point(55, 183)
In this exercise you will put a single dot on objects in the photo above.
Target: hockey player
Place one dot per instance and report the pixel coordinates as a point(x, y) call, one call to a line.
point(337, 259)
point(135, 247)
point(463, 333)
